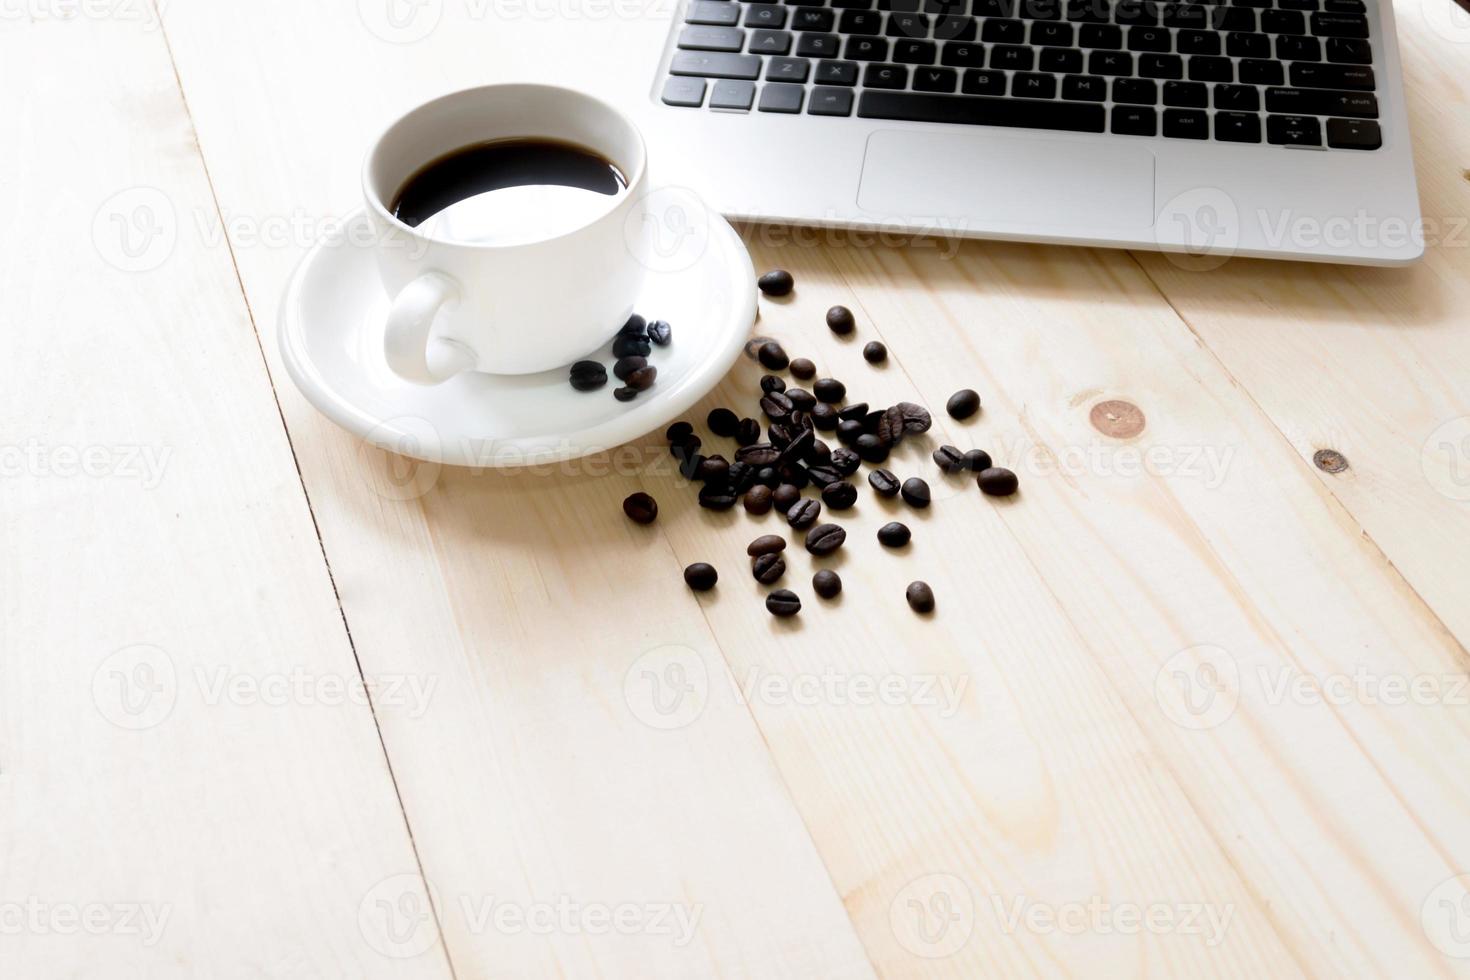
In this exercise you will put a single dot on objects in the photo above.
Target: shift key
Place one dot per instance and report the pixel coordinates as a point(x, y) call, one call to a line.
point(710, 64)
point(1321, 102)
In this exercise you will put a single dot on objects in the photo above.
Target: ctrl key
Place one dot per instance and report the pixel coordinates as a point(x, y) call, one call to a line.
point(1354, 134)
point(781, 97)
point(829, 101)
point(684, 92)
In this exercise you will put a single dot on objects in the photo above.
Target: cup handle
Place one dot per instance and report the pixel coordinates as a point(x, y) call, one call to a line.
point(406, 340)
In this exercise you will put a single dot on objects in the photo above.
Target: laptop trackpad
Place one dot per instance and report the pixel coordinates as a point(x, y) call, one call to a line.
point(988, 179)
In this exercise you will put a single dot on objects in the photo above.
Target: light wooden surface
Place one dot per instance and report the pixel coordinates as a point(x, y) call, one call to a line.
point(1208, 718)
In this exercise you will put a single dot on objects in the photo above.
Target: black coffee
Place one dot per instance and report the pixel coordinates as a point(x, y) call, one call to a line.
point(508, 191)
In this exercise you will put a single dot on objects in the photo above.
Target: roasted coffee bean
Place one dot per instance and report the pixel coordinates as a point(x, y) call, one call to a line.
point(640, 507)
point(627, 365)
point(840, 495)
point(916, 418)
point(747, 432)
point(777, 282)
point(848, 430)
point(772, 356)
point(854, 412)
point(678, 432)
point(797, 448)
point(826, 583)
point(949, 459)
point(722, 422)
point(635, 327)
point(963, 403)
point(890, 430)
point(845, 461)
point(803, 513)
point(766, 544)
point(915, 492)
point(820, 454)
point(840, 321)
point(829, 390)
point(643, 378)
point(776, 405)
point(769, 383)
point(783, 603)
point(685, 447)
point(824, 474)
point(824, 416)
point(871, 420)
point(784, 496)
point(768, 569)
point(660, 332)
point(871, 448)
point(625, 345)
point(701, 576)
point(874, 352)
point(796, 476)
point(625, 394)
point(714, 496)
point(689, 465)
point(997, 481)
point(920, 597)
point(803, 369)
point(976, 460)
point(894, 535)
point(825, 539)
point(715, 469)
point(588, 375)
point(759, 454)
point(801, 399)
point(742, 476)
point(767, 476)
point(884, 483)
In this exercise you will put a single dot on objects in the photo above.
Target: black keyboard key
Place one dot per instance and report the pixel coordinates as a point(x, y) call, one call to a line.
point(1199, 42)
point(1262, 73)
point(908, 25)
point(1252, 3)
point(1004, 31)
point(793, 70)
point(1353, 134)
point(816, 45)
point(1345, 7)
point(1102, 36)
point(1236, 19)
point(978, 82)
point(1039, 10)
point(778, 97)
point(1084, 88)
point(1060, 61)
point(865, 22)
point(1160, 66)
point(837, 73)
point(914, 52)
point(1134, 121)
point(853, 4)
point(711, 38)
point(684, 92)
point(1293, 131)
point(1237, 127)
point(769, 42)
point(1110, 63)
point(1140, 13)
point(1187, 124)
point(1347, 51)
point(1149, 39)
point(813, 19)
point(1195, 16)
point(1248, 45)
point(1011, 56)
point(713, 12)
point(1340, 25)
point(830, 102)
point(1237, 98)
point(1283, 22)
point(935, 79)
point(1186, 95)
point(1320, 102)
point(994, 8)
point(765, 15)
point(1135, 91)
point(866, 49)
point(1204, 69)
point(955, 29)
point(1048, 34)
point(1024, 113)
point(1351, 78)
point(1089, 11)
point(1030, 85)
point(1289, 48)
point(886, 76)
point(1308, 5)
point(963, 55)
point(732, 95)
point(944, 8)
point(712, 64)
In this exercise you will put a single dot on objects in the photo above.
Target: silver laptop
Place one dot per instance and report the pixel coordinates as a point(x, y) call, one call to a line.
point(1271, 128)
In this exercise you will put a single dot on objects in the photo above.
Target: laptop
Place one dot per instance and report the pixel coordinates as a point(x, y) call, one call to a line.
point(1267, 128)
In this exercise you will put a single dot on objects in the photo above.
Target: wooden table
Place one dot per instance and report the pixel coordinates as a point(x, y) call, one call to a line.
point(1193, 703)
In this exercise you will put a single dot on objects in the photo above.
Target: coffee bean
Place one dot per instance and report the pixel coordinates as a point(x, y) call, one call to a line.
point(777, 282)
point(783, 603)
point(747, 432)
point(689, 465)
point(772, 356)
point(915, 492)
point(848, 430)
point(802, 399)
point(997, 481)
point(701, 576)
point(660, 332)
point(742, 476)
point(829, 390)
point(627, 365)
point(635, 327)
point(803, 513)
point(963, 403)
point(916, 418)
point(840, 321)
point(803, 369)
point(894, 535)
point(797, 448)
point(874, 352)
point(767, 476)
point(845, 461)
point(796, 476)
point(920, 597)
point(884, 483)
point(766, 544)
point(625, 394)
point(714, 496)
point(826, 583)
point(678, 432)
point(871, 420)
point(890, 431)
point(825, 539)
point(823, 474)
point(769, 383)
point(715, 469)
point(768, 569)
point(976, 460)
point(722, 422)
point(854, 412)
point(757, 500)
point(824, 417)
point(685, 447)
point(625, 345)
point(784, 496)
point(871, 448)
point(820, 454)
point(588, 375)
point(776, 405)
point(840, 495)
point(643, 378)
point(759, 454)
point(948, 458)
point(640, 507)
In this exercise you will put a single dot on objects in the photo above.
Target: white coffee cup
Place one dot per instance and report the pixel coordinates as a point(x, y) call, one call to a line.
point(519, 306)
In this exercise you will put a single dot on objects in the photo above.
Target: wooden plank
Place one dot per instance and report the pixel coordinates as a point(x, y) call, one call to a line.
point(189, 782)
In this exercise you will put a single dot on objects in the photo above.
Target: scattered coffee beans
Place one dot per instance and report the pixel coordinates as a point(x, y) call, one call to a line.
point(963, 403)
point(826, 583)
point(748, 432)
point(803, 369)
point(625, 394)
point(870, 448)
point(627, 365)
point(768, 569)
point(824, 474)
point(840, 495)
point(845, 461)
point(848, 430)
point(777, 282)
point(894, 535)
point(643, 378)
point(757, 500)
point(701, 577)
point(916, 418)
point(722, 422)
point(628, 345)
point(776, 405)
point(824, 417)
point(884, 483)
point(714, 469)
point(766, 544)
point(784, 496)
point(783, 602)
point(997, 481)
point(825, 539)
point(660, 332)
point(948, 458)
point(635, 327)
point(713, 496)
point(915, 492)
point(920, 597)
point(853, 413)
point(803, 513)
point(874, 352)
point(840, 321)
point(976, 460)
point(677, 432)
point(772, 356)
point(801, 399)
point(770, 382)
point(829, 390)
point(588, 375)
point(640, 507)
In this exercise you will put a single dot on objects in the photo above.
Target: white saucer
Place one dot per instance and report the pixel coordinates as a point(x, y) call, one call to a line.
point(331, 336)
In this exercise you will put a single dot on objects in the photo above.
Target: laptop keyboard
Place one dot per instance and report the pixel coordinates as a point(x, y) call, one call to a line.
point(1284, 72)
